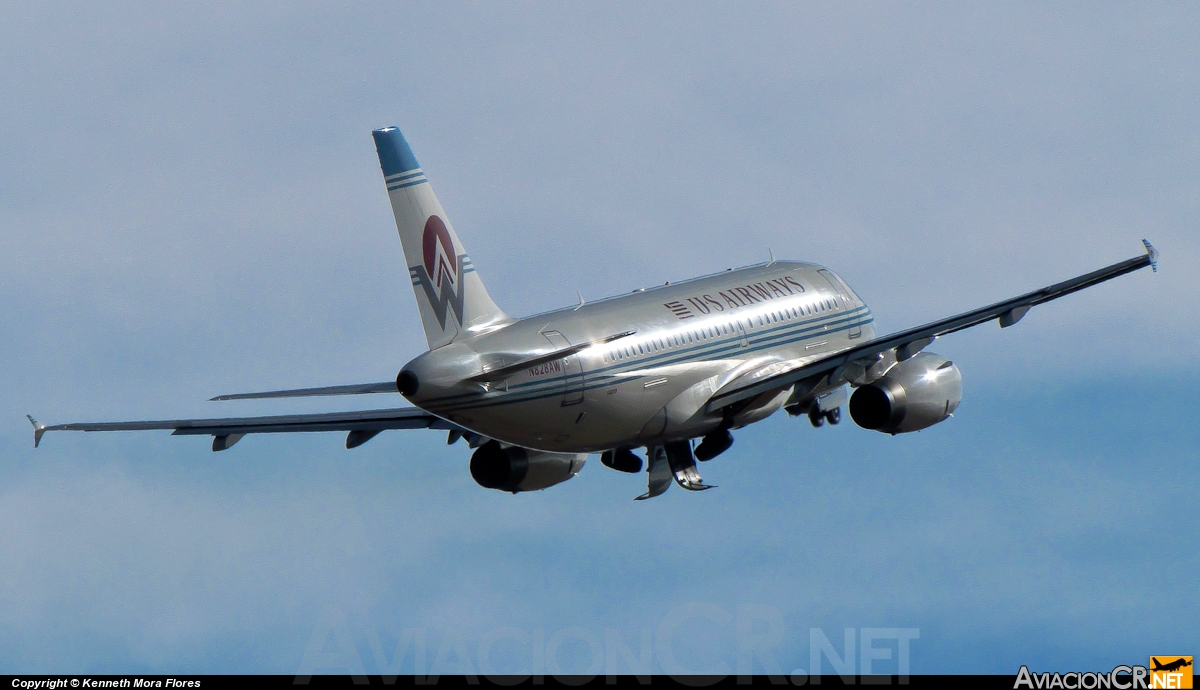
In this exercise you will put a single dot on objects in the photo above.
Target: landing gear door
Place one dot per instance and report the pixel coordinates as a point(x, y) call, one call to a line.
point(572, 369)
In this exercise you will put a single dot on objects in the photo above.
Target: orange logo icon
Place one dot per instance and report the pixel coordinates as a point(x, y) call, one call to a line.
point(1170, 672)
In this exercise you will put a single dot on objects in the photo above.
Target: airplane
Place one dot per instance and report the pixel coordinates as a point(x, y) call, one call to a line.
point(673, 369)
point(1179, 663)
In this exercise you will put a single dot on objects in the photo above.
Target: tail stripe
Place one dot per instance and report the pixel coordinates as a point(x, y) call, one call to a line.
point(404, 179)
point(393, 179)
point(468, 267)
point(400, 176)
point(410, 183)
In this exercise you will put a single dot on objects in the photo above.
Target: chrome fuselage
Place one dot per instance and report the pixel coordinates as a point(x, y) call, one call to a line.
point(688, 340)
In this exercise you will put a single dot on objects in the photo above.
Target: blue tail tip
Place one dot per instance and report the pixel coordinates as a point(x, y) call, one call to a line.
point(395, 156)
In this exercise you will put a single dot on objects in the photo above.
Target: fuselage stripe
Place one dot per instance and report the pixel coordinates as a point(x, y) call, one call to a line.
point(757, 341)
point(591, 383)
point(703, 350)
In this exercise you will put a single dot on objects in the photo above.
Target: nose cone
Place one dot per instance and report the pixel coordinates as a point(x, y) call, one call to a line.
point(437, 374)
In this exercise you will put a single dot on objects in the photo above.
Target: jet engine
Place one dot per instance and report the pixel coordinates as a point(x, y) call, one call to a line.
point(914, 394)
point(519, 469)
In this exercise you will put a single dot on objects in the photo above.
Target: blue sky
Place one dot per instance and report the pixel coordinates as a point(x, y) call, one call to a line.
point(190, 205)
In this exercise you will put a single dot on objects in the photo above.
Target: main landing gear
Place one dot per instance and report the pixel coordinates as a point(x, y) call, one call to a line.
point(818, 418)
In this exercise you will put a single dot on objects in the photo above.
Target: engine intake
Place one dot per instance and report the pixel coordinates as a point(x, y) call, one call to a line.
point(915, 394)
point(519, 469)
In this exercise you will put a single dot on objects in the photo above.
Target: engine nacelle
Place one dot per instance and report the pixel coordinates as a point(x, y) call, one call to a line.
point(519, 469)
point(915, 394)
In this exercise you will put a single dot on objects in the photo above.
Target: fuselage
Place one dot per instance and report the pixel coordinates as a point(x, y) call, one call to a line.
point(686, 340)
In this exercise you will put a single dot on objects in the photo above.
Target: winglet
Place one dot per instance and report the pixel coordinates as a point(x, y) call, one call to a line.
point(1150, 250)
point(38, 430)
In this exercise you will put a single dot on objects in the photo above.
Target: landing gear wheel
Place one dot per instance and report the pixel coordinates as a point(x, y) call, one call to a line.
point(815, 416)
point(834, 416)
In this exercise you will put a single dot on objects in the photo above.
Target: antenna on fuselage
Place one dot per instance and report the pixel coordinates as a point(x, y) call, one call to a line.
point(772, 255)
point(581, 300)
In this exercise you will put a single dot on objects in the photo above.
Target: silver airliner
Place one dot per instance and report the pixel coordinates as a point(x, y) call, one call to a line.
point(672, 369)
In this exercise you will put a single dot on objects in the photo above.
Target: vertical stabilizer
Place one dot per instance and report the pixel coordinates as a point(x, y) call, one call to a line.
point(450, 295)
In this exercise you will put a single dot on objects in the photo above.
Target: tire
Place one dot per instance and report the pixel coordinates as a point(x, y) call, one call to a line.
point(816, 417)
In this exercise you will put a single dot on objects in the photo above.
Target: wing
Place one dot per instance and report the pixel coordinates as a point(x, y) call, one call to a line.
point(909, 342)
point(362, 425)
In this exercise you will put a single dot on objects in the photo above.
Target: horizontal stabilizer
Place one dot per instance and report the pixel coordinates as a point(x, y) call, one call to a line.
point(351, 389)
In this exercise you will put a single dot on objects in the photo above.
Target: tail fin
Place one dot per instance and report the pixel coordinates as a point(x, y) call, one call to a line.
point(450, 295)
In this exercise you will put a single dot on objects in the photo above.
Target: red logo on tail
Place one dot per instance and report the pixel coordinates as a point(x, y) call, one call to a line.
point(439, 265)
point(440, 274)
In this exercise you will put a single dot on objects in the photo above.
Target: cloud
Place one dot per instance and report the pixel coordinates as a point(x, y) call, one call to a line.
point(191, 205)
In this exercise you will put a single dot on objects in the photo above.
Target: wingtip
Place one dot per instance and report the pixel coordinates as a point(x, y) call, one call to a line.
point(39, 430)
point(1152, 253)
